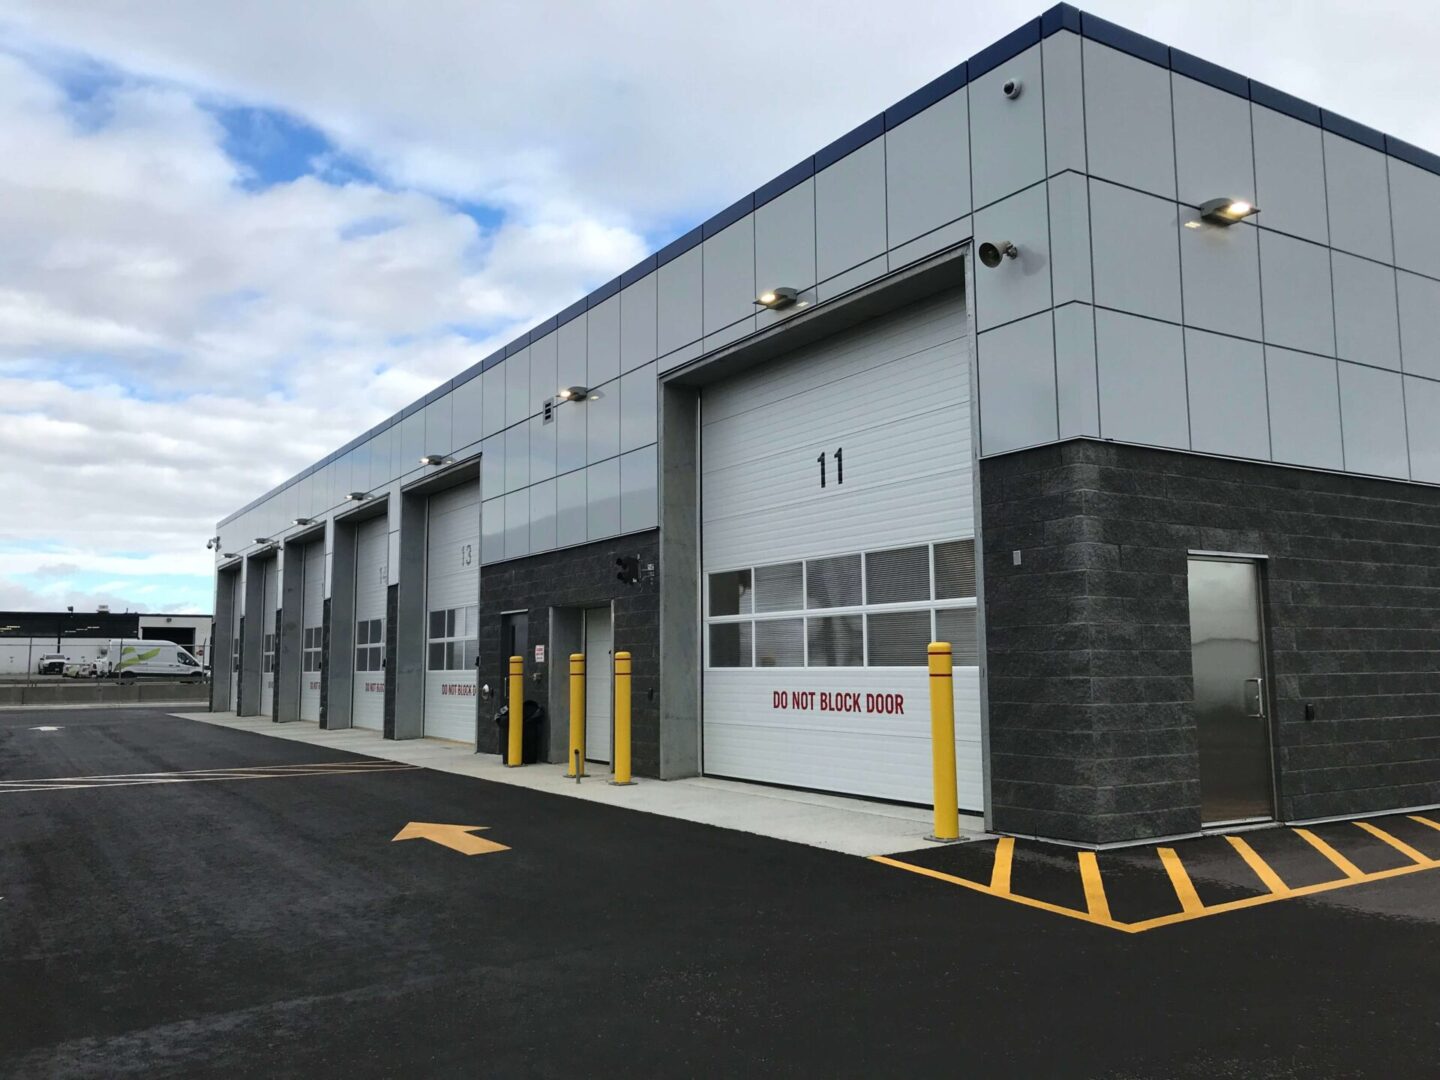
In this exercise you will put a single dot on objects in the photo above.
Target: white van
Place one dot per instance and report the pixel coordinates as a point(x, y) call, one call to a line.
point(135, 658)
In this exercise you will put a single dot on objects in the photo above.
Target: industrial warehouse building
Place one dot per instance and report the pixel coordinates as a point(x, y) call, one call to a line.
point(26, 636)
point(1014, 364)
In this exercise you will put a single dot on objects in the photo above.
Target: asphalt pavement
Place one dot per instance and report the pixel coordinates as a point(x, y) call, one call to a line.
point(178, 899)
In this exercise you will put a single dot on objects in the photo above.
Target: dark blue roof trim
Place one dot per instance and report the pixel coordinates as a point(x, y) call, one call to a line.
point(549, 326)
point(411, 409)
point(1182, 63)
point(645, 266)
point(494, 358)
point(1284, 103)
point(436, 394)
point(851, 141)
point(1107, 33)
point(677, 247)
point(934, 91)
point(465, 376)
point(521, 342)
point(796, 174)
point(1421, 159)
point(574, 311)
point(1060, 17)
point(727, 217)
point(1340, 125)
point(603, 293)
point(1007, 48)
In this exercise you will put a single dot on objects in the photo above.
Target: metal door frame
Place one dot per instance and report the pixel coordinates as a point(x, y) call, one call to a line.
point(609, 608)
point(1259, 562)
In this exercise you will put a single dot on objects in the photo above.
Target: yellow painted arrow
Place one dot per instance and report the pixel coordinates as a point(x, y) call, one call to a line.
point(455, 837)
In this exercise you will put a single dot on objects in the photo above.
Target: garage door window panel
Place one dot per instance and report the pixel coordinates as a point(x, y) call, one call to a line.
point(731, 593)
point(897, 638)
point(370, 645)
point(898, 576)
point(780, 643)
point(835, 641)
point(730, 645)
point(453, 644)
point(955, 570)
point(780, 588)
point(957, 626)
point(833, 582)
point(310, 651)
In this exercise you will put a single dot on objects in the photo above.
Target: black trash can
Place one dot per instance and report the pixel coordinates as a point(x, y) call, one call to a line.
point(532, 727)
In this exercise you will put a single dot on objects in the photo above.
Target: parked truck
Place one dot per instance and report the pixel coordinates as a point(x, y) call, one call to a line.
point(147, 658)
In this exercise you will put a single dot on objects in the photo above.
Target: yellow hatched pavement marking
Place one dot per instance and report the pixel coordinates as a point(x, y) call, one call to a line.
point(1395, 842)
point(1180, 879)
point(1268, 877)
point(1424, 821)
point(1346, 867)
point(1004, 857)
point(938, 875)
point(1098, 912)
point(1094, 888)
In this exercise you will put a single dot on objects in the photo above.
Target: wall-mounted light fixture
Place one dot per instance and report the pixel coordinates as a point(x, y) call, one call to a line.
point(227, 554)
point(304, 521)
point(778, 298)
point(991, 253)
point(1225, 211)
point(575, 393)
point(434, 459)
point(357, 496)
point(263, 540)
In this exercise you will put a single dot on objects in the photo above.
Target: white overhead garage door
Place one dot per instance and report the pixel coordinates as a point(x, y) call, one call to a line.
point(452, 591)
point(837, 527)
point(312, 633)
point(271, 599)
point(372, 554)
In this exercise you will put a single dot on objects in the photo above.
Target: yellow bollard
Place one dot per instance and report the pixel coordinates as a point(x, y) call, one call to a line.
point(622, 720)
point(576, 760)
point(942, 743)
point(517, 711)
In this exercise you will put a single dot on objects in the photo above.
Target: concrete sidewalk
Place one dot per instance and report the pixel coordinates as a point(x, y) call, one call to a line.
point(852, 826)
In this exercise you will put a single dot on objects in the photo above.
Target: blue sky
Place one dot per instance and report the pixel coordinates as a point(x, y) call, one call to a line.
point(227, 248)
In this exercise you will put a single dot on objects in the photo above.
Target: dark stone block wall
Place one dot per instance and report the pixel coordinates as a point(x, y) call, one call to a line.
point(275, 669)
point(240, 666)
point(392, 636)
point(325, 662)
point(577, 578)
point(1092, 724)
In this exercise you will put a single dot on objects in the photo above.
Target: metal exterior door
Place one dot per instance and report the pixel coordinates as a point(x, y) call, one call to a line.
point(599, 663)
point(1231, 700)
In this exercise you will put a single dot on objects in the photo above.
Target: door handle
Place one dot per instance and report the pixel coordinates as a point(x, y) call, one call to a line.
point(1259, 712)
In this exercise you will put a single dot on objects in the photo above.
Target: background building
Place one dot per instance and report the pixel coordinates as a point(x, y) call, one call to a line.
point(1164, 468)
point(25, 636)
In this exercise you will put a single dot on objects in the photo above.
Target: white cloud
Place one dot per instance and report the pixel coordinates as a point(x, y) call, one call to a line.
point(173, 343)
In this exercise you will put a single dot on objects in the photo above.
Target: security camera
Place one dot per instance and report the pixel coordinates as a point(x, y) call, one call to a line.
point(1011, 89)
point(991, 253)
